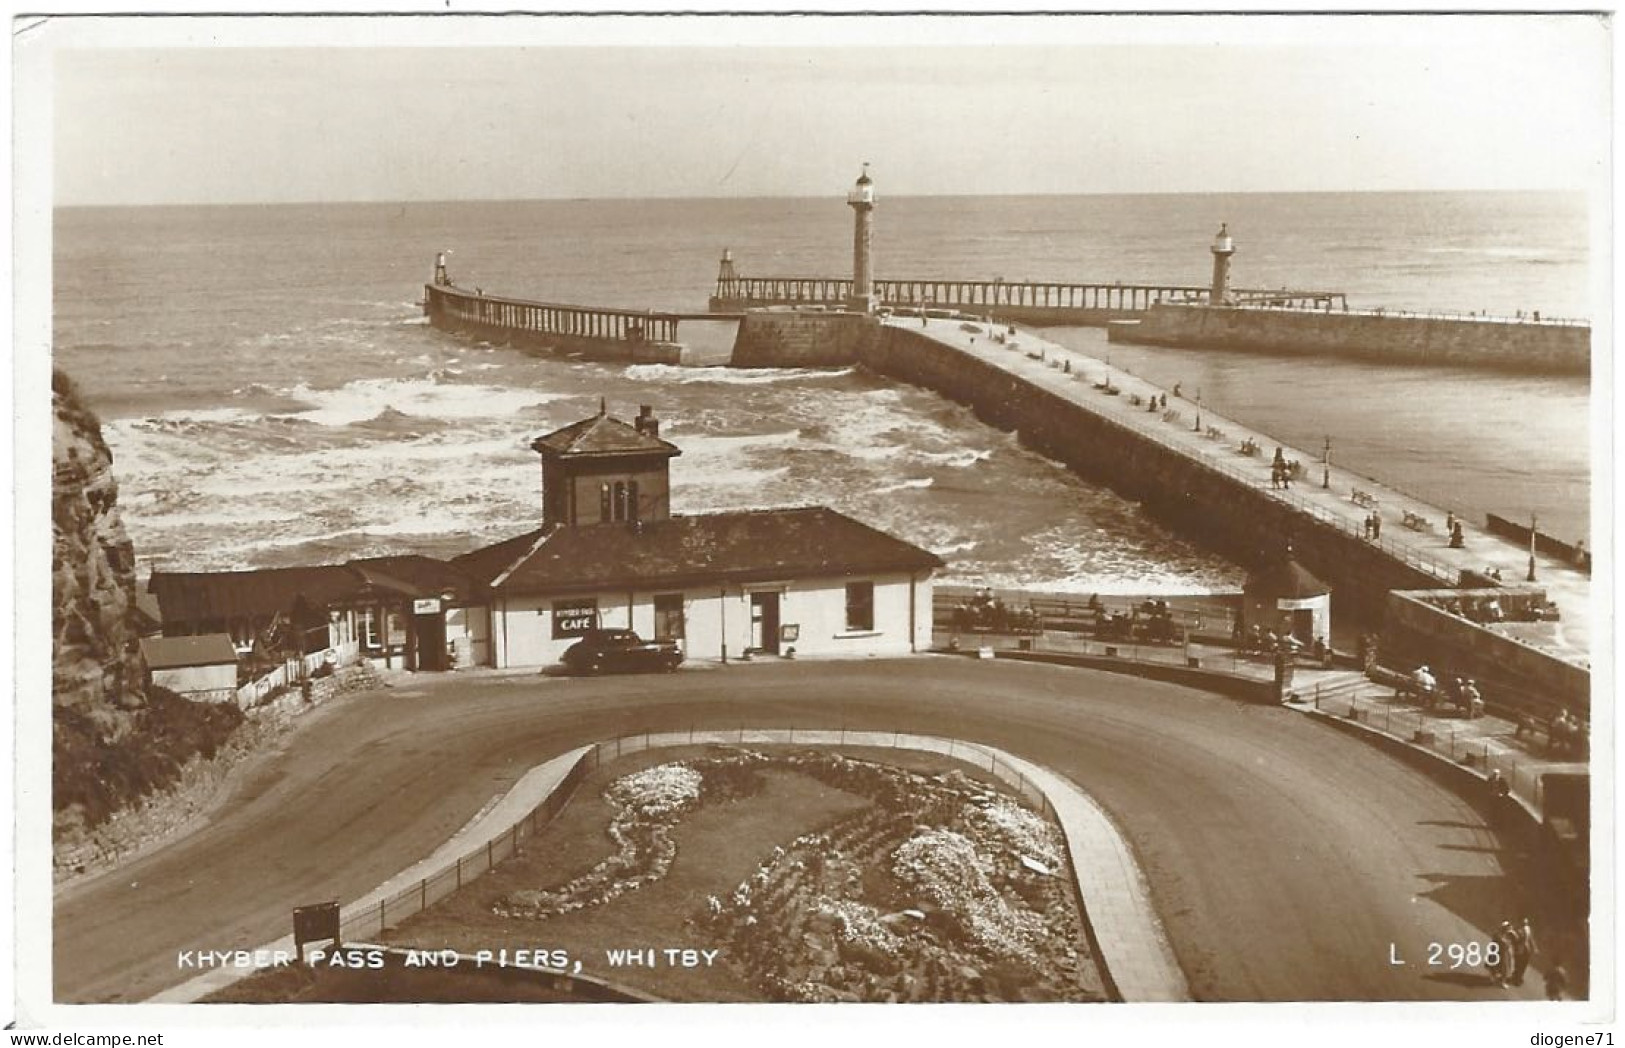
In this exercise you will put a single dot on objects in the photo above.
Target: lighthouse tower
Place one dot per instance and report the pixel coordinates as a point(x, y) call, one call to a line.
point(862, 202)
point(1223, 248)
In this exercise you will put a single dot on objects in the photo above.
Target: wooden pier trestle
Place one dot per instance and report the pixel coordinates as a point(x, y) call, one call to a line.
point(642, 335)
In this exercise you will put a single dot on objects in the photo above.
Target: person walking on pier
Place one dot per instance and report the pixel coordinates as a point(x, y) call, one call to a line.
point(1376, 526)
point(1456, 539)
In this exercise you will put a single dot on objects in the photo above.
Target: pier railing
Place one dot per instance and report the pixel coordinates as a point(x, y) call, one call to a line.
point(997, 294)
point(1428, 314)
point(474, 307)
point(1154, 426)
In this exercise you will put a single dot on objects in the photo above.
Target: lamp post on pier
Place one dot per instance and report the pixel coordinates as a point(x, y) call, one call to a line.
point(1326, 474)
point(1198, 409)
point(1534, 522)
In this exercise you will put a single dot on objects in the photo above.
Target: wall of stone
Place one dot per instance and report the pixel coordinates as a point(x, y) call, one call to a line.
point(1212, 507)
point(1246, 524)
point(783, 338)
point(1546, 348)
point(1510, 674)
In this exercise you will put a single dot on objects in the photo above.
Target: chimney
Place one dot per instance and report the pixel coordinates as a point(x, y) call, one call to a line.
point(646, 423)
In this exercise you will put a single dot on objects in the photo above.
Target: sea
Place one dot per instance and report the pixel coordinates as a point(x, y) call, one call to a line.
point(273, 396)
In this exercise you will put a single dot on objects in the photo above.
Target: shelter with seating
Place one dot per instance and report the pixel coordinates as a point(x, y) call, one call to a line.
point(1283, 597)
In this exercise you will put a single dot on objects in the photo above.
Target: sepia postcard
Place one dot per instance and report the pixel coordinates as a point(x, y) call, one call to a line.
point(1103, 521)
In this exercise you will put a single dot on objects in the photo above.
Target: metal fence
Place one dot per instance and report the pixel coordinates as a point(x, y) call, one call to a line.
point(1153, 426)
point(416, 898)
point(1529, 318)
point(1464, 743)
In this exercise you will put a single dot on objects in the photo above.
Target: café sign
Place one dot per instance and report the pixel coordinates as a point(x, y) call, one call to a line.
point(573, 618)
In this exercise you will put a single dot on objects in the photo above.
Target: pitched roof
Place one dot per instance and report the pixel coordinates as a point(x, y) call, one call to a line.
point(168, 653)
point(418, 575)
point(1284, 578)
point(601, 435)
point(210, 596)
point(739, 546)
point(488, 563)
point(200, 596)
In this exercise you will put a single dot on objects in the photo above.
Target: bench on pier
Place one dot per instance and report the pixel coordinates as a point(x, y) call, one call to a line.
point(1566, 738)
point(1363, 498)
point(1171, 415)
point(1417, 522)
point(1249, 447)
point(1215, 433)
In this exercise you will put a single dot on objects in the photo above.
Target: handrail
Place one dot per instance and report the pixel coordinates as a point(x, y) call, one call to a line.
point(1203, 289)
point(1406, 554)
point(1409, 314)
point(618, 311)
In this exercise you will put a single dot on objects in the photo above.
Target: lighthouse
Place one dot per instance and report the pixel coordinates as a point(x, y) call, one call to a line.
point(1223, 248)
point(862, 202)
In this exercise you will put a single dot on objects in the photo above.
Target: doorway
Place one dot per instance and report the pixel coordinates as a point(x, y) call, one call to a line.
point(764, 622)
point(431, 637)
point(1303, 625)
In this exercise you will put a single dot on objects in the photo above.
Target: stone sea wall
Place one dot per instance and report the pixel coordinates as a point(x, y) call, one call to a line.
point(1388, 338)
point(1209, 505)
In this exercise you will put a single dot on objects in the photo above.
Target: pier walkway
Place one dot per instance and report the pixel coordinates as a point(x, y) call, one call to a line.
point(1344, 501)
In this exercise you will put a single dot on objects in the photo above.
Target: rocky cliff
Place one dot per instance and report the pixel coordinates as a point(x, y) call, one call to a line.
point(114, 741)
point(96, 655)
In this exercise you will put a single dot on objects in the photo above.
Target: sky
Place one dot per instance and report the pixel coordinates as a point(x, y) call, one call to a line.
point(791, 107)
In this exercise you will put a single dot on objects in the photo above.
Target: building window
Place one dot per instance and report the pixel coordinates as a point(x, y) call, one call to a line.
point(603, 503)
point(620, 501)
point(631, 500)
point(668, 616)
point(573, 618)
point(860, 605)
point(368, 629)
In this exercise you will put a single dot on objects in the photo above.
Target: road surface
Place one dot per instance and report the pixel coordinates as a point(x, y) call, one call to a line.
point(1288, 860)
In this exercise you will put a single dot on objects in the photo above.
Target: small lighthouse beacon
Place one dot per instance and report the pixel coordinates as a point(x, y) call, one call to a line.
point(862, 202)
point(1223, 248)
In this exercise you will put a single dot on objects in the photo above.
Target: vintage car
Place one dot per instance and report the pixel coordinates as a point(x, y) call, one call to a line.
point(621, 651)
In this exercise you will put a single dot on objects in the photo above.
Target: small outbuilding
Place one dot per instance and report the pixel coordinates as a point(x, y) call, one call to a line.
point(202, 668)
point(1284, 597)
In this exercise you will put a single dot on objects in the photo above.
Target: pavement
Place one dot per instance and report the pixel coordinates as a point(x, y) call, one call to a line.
point(1217, 441)
point(492, 822)
point(1286, 862)
point(1484, 744)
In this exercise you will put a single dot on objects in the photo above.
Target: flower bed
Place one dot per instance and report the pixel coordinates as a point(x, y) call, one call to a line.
point(938, 889)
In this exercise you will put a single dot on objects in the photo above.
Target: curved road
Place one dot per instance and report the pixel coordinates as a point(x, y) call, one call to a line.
point(1288, 861)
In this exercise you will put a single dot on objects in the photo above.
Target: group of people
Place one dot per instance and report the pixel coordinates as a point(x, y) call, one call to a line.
point(1152, 621)
point(1282, 471)
point(1373, 526)
point(1256, 640)
point(1515, 948)
point(988, 612)
point(1458, 692)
